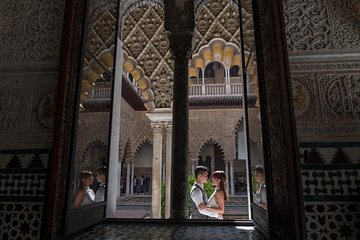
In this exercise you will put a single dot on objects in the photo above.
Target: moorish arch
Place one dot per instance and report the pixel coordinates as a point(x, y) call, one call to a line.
point(93, 156)
point(212, 155)
point(96, 152)
point(138, 146)
point(129, 152)
point(143, 156)
point(141, 81)
point(218, 50)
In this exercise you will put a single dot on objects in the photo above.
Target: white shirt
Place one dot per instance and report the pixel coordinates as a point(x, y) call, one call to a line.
point(100, 193)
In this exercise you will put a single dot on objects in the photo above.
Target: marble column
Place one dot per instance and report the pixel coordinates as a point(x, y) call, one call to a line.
point(119, 179)
point(157, 118)
point(115, 134)
point(227, 81)
point(163, 171)
point(194, 163)
point(232, 187)
point(168, 127)
point(227, 175)
point(128, 178)
point(156, 170)
point(132, 178)
point(203, 82)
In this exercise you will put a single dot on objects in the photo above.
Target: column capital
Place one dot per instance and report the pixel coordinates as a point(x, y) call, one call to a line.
point(179, 15)
point(168, 127)
point(229, 160)
point(157, 127)
point(180, 45)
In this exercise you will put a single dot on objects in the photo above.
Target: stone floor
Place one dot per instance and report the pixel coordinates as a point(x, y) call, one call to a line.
point(132, 231)
point(139, 206)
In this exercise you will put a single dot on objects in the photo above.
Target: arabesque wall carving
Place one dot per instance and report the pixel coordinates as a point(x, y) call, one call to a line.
point(323, 38)
point(322, 25)
point(27, 109)
point(30, 31)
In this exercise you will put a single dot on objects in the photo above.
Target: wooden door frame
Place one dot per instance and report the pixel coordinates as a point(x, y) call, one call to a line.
point(282, 160)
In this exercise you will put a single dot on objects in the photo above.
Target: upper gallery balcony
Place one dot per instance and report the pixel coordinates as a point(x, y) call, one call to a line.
point(211, 87)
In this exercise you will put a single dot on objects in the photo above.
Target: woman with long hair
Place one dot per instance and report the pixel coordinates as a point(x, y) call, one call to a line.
point(216, 202)
point(84, 194)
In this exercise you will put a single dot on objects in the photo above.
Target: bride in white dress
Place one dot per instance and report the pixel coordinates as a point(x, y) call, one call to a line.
point(216, 202)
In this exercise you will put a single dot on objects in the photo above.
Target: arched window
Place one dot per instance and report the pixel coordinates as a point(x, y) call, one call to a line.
point(209, 71)
point(234, 71)
point(200, 161)
point(208, 163)
point(193, 80)
point(214, 73)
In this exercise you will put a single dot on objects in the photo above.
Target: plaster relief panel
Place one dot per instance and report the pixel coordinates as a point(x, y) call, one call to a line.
point(339, 95)
point(11, 15)
point(27, 109)
point(31, 31)
point(45, 110)
point(304, 98)
point(42, 32)
point(307, 25)
point(12, 110)
point(345, 20)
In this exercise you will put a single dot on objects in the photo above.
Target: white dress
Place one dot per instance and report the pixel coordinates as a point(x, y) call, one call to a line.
point(213, 203)
point(89, 196)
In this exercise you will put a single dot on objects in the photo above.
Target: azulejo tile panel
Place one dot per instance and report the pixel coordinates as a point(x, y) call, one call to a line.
point(333, 220)
point(332, 197)
point(23, 176)
point(20, 220)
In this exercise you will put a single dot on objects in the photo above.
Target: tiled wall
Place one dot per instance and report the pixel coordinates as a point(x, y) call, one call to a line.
point(23, 175)
point(331, 188)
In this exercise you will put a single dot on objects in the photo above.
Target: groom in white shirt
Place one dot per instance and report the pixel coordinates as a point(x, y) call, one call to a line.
point(199, 196)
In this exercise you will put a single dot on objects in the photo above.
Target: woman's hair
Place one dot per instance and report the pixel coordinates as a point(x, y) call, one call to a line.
point(84, 175)
point(221, 175)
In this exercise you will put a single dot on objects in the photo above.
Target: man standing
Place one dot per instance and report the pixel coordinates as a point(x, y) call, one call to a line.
point(199, 196)
point(101, 178)
point(260, 194)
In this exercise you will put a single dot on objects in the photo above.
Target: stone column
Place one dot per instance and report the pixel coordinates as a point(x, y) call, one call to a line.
point(168, 168)
point(232, 187)
point(227, 81)
point(115, 135)
point(194, 163)
point(227, 175)
point(203, 82)
point(119, 179)
point(180, 23)
point(180, 45)
point(163, 171)
point(132, 178)
point(156, 170)
point(128, 178)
